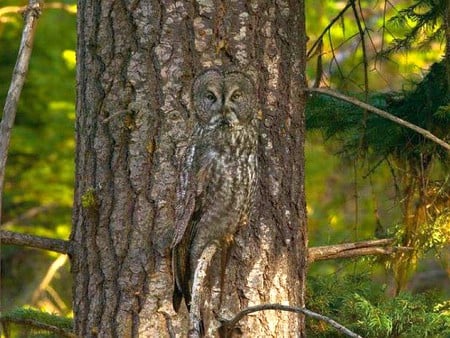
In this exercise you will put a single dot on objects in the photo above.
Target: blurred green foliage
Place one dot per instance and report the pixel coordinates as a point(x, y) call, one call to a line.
point(40, 168)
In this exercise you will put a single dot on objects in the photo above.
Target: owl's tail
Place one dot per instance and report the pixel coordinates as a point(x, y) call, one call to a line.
point(176, 298)
point(181, 272)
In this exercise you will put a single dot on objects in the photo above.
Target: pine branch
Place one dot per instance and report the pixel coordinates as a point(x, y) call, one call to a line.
point(228, 325)
point(425, 133)
point(45, 243)
point(37, 325)
point(347, 250)
point(31, 15)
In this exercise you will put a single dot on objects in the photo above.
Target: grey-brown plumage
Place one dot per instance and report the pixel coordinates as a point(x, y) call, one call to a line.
point(218, 173)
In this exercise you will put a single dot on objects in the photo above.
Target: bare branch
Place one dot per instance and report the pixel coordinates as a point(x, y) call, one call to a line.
point(18, 79)
point(347, 250)
point(425, 133)
point(51, 244)
point(228, 325)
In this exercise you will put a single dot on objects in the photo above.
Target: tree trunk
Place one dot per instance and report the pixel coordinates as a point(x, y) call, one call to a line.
point(136, 61)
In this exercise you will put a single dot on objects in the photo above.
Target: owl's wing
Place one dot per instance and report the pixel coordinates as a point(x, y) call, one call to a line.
point(193, 183)
point(192, 187)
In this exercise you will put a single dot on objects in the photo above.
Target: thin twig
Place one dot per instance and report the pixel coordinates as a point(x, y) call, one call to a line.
point(52, 270)
point(425, 133)
point(361, 32)
point(169, 324)
point(230, 324)
point(38, 242)
point(18, 79)
point(327, 28)
point(120, 112)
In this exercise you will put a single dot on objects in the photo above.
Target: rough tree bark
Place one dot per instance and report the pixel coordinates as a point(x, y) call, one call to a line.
point(136, 60)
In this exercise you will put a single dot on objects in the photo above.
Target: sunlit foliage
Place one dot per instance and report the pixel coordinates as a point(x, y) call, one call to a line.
point(362, 305)
point(40, 168)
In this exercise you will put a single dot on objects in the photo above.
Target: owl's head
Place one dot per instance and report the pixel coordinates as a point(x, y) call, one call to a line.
point(224, 98)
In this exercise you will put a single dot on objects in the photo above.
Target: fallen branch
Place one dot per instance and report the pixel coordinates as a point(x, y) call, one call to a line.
point(425, 133)
point(228, 325)
point(51, 244)
point(31, 15)
point(347, 250)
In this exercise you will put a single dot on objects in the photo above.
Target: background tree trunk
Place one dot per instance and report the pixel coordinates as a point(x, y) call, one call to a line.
point(136, 61)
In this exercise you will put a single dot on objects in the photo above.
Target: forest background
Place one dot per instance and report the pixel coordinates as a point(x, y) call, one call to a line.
point(365, 178)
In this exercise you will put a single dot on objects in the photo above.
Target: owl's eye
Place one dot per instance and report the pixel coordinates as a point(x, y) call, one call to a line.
point(210, 97)
point(237, 95)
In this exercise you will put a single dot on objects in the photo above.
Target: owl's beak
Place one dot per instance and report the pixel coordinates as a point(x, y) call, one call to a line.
point(229, 118)
point(224, 122)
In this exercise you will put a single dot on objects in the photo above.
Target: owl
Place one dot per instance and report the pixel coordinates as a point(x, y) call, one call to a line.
point(218, 175)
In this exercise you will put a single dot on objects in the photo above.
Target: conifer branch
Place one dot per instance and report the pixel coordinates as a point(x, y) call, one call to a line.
point(228, 325)
point(425, 133)
point(33, 241)
point(37, 325)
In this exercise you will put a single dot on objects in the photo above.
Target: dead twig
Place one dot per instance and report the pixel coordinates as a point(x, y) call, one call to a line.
point(357, 249)
point(228, 325)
